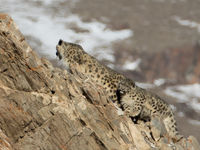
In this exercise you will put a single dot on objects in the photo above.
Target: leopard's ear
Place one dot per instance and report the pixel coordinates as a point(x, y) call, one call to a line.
point(60, 42)
point(76, 45)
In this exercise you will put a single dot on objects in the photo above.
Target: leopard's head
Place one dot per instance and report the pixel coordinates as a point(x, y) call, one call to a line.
point(69, 52)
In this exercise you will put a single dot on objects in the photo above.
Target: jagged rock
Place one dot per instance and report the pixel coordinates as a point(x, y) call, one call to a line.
point(181, 64)
point(48, 108)
point(157, 128)
point(4, 142)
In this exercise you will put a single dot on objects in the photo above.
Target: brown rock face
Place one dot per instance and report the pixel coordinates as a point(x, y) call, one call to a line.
point(42, 107)
point(180, 64)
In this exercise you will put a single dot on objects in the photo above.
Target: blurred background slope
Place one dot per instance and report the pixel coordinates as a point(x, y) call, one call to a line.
point(154, 42)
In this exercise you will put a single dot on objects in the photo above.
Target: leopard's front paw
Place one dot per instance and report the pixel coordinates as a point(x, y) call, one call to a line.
point(134, 113)
point(127, 111)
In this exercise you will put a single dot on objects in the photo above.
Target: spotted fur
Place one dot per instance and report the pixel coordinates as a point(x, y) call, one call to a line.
point(141, 103)
point(72, 53)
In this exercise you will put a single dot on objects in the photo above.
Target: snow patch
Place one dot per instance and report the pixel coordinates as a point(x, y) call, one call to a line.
point(188, 23)
point(194, 122)
point(189, 94)
point(159, 82)
point(195, 103)
point(190, 90)
point(132, 65)
point(181, 96)
point(173, 107)
point(145, 85)
point(181, 114)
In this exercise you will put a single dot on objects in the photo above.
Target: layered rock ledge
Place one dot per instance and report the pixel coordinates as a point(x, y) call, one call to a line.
point(44, 107)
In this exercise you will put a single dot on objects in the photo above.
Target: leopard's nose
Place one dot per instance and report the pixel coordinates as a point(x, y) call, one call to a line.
point(56, 53)
point(60, 42)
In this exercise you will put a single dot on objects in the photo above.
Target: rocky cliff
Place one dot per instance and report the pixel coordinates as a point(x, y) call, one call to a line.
point(43, 107)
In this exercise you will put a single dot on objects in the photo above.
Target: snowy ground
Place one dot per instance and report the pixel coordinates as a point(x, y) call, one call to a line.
point(187, 23)
point(189, 94)
point(42, 23)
